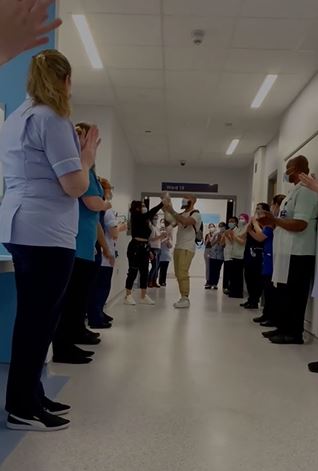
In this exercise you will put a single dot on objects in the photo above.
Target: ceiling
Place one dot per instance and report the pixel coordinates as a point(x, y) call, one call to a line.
point(194, 99)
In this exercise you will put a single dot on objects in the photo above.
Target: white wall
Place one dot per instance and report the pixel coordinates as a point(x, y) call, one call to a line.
point(234, 182)
point(116, 163)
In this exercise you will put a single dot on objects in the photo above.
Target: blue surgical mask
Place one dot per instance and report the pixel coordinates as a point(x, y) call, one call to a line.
point(144, 210)
point(286, 178)
point(232, 225)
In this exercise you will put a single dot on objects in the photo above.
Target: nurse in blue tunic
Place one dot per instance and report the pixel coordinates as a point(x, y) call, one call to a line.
point(45, 172)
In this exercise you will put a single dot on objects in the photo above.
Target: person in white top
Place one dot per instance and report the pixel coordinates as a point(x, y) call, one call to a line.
point(189, 223)
point(294, 253)
point(311, 182)
point(155, 246)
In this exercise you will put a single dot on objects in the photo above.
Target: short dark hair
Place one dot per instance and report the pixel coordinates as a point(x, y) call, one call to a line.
point(235, 219)
point(278, 199)
point(264, 206)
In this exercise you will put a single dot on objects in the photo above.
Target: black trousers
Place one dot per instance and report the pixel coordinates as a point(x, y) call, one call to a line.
point(42, 275)
point(99, 294)
point(72, 321)
point(254, 279)
point(270, 300)
point(227, 274)
point(292, 298)
point(236, 278)
point(153, 275)
point(138, 260)
point(163, 271)
point(215, 271)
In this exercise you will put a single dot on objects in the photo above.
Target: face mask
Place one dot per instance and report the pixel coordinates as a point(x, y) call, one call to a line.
point(222, 229)
point(185, 203)
point(242, 222)
point(232, 225)
point(144, 210)
point(286, 178)
point(110, 196)
point(212, 230)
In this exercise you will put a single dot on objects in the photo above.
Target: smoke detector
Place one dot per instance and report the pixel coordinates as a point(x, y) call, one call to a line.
point(198, 36)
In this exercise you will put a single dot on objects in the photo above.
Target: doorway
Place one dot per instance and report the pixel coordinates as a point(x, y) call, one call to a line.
point(272, 187)
point(213, 210)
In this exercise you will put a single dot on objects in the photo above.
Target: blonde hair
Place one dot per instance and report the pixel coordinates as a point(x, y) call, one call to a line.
point(46, 83)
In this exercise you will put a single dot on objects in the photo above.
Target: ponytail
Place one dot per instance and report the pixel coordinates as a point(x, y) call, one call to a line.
point(48, 73)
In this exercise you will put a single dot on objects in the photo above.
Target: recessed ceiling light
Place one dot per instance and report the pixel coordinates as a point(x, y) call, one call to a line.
point(148, 131)
point(264, 90)
point(232, 147)
point(88, 41)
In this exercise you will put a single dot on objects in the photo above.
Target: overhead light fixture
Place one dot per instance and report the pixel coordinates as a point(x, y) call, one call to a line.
point(232, 147)
point(88, 41)
point(264, 90)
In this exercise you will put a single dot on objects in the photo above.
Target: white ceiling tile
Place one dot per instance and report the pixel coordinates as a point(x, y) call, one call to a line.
point(257, 33)
point(135, 7)
point(194, 58)
point(271, 62)
point(194, 80)
point(202, 7)
point(88, 95)
point(125, 30)
point(83, 76)
point(238, 89)
point(310, 38)
point(280, 8)
point(178, 30)
point(144, 96)
point(133, 57)
point(136, 78)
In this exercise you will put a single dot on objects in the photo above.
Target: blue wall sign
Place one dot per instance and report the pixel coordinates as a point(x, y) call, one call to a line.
point(190, 187)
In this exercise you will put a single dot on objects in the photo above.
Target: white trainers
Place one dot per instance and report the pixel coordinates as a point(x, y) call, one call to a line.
point(183, 303)
point(147, 300)
point(129, 301)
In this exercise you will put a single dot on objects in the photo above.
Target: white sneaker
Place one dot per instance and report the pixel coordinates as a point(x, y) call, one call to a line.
point(129, 300)
point(183, 303)
point(147, 300)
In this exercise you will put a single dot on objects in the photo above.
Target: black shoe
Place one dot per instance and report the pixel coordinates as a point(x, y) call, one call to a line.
point(313, 367)
point(268, 324)
point(287, 340)
point(80, 351)
point(207, 287)
point(101, 325)
point(260, 319)
point(215, 287)
point(244, 304)
point(86, 339)
point(107, 318)
point(251, 306)
point(163, 285)
point(89, 332)
point(55, 408)
point(42, 422)
point(270, 333)
point(72, 356)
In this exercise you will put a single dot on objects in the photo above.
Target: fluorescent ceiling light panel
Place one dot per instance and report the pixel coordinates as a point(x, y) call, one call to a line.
point(264, 90)
point(88, 41)
point(232, 147)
